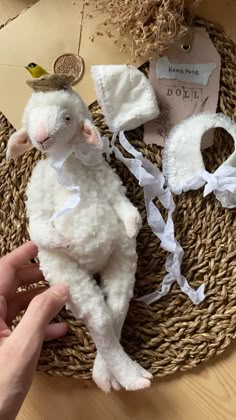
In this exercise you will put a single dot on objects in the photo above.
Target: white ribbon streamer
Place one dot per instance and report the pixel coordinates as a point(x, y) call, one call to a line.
point(66, 182)
point(152, 181)
point(93, 157)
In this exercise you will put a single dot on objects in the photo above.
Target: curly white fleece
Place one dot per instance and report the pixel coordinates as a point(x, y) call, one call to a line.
point(98, 236)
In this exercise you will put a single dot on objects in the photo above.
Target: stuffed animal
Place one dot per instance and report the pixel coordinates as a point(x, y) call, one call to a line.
point(98, 235)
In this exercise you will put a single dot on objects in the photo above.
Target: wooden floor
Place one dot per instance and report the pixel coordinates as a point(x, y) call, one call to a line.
point(207, 392)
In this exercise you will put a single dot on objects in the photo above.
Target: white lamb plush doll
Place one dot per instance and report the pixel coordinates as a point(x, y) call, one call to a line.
point(97, 236)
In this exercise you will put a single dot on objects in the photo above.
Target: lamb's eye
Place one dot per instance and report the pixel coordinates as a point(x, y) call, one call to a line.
point(67, 118)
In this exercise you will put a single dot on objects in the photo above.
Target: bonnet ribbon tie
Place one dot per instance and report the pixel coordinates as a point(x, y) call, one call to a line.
point(152, 181)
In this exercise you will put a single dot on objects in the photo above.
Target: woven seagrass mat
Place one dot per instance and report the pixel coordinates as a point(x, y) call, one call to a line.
point(171, 334)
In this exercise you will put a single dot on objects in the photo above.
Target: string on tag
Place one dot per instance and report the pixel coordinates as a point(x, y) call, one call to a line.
point(81, 27)
point(69, 63)
point(187, 42)
point(18, 66)
point(11, 65)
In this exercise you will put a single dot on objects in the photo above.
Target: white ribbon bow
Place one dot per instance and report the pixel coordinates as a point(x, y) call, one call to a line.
point(222, 182)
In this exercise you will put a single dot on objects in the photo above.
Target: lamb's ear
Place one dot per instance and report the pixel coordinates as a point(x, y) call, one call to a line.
point(91, 134)
point(18, 144)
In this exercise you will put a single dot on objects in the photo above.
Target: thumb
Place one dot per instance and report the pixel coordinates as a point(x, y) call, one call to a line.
point(41, 310)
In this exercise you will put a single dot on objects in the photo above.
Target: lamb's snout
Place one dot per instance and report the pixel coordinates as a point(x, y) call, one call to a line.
point(41, 136)
point(42, 140)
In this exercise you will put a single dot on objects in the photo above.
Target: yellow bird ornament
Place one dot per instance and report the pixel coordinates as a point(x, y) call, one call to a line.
point(35, 70)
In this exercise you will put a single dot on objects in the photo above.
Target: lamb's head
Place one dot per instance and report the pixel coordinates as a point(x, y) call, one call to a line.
point(53, 119)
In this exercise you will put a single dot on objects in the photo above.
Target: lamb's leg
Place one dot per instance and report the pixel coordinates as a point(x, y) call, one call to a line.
point(87, 301)
point(118, 280)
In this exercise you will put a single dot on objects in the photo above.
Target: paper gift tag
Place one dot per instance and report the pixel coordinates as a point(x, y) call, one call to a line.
point(185, 83)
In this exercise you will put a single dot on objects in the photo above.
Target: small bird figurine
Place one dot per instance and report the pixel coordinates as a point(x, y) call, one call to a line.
point(35, 70)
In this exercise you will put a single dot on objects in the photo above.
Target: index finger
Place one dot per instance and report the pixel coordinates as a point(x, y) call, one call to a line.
point(21, 256)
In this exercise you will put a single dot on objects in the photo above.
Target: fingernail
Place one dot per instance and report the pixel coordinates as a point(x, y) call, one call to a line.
point(61, 290)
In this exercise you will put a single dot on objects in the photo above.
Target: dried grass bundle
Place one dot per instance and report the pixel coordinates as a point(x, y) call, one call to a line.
point(145, 26)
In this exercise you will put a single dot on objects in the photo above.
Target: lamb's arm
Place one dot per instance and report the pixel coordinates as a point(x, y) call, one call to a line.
point(116, 194)
point(40, 208)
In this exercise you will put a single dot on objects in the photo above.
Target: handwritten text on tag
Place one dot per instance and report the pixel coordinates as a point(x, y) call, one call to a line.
point(195, 73)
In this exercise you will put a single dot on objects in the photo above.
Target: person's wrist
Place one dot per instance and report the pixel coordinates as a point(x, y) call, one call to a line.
point(6, 407)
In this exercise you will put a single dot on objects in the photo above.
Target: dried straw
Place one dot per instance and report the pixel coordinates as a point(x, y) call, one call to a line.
point(145, 26)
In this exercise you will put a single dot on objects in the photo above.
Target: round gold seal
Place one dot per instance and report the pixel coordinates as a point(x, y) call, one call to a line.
point(71, 65)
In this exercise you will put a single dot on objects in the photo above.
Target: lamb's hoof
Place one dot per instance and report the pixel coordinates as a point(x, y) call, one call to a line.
point(141, 383)
point(130, 376)
point(102, 383)
point(103, 377)
point(115, 385)
point(134, 378)
point(56, 240)
point(132, 225)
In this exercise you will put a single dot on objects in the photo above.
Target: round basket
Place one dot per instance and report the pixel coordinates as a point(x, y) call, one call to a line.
point(171, 334)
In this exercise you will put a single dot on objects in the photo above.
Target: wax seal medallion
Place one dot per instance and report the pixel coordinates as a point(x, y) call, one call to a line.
point(71, 65)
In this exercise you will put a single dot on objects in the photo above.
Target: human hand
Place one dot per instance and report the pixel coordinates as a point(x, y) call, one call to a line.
point(20, 349)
